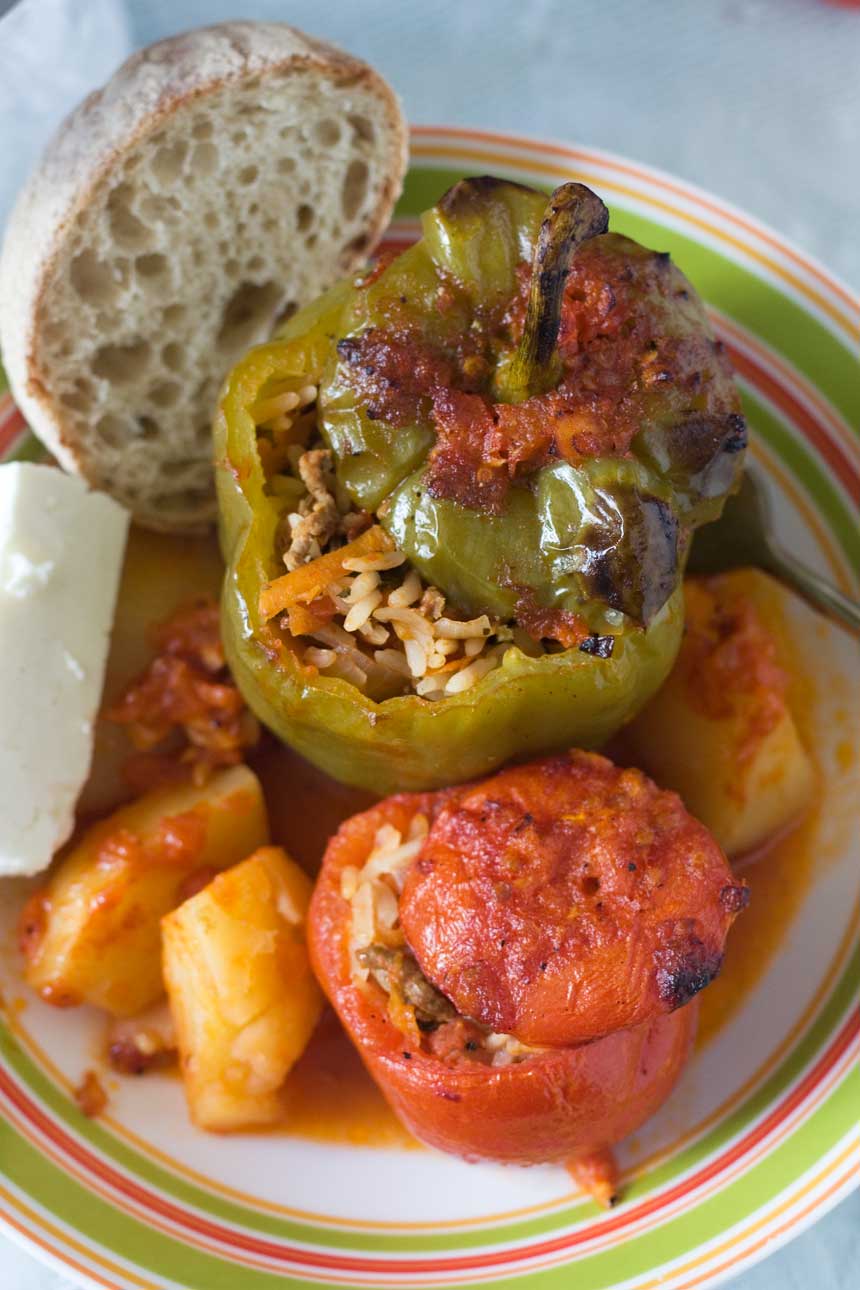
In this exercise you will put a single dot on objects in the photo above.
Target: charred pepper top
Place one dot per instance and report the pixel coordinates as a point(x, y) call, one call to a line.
point(535, 409)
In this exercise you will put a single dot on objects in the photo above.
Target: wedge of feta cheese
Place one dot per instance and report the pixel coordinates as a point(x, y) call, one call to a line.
point(61, 550)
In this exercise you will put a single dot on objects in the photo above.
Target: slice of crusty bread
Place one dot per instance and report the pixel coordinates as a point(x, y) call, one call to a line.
point(220, 179)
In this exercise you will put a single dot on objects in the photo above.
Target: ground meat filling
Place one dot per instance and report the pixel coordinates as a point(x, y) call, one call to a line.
point(317, 520)
point(378, 625)
point(397, 970)
point(382, 959)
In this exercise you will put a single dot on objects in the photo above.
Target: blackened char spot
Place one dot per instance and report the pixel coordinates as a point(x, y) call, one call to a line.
point(700, 450)
point(685, 965)
point(450, 1097)
point(633, 564)
point(599, 646)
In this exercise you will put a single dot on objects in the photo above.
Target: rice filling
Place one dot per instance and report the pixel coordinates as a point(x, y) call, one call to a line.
point(379, 955)
point(378, 625)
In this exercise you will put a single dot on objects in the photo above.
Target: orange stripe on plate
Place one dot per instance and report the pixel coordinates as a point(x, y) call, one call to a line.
point(94, 1185)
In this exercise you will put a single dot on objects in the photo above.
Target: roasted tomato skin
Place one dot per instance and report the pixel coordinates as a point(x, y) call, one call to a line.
point(567, 899)
point(558, 1104)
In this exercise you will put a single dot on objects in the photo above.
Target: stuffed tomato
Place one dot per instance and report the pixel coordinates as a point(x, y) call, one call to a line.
point(516, 961)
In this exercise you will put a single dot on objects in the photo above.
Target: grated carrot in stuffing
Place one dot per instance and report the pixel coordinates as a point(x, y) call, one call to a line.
point(310, 580)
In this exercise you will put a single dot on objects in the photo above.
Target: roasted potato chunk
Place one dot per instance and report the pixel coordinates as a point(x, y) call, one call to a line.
point(721, 731)
point(244, 1000)
point(92, 935)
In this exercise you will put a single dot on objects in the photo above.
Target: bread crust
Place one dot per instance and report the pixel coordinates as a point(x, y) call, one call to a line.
point(94, 139)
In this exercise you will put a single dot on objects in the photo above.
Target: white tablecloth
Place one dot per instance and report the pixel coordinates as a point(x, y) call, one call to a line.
point(757, 100)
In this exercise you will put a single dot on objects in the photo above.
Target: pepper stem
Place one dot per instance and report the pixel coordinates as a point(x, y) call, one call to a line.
point(574, 214)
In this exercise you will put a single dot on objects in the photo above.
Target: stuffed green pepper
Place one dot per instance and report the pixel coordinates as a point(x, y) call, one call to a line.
point(457, 492)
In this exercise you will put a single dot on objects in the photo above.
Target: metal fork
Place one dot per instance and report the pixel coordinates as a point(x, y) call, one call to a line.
point(742, 536)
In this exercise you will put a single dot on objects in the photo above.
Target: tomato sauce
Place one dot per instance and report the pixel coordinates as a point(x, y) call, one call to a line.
point(778, 877)
point(330, 1097)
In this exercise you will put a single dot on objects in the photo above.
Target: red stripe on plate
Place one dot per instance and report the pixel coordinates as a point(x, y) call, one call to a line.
point(12, 423)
